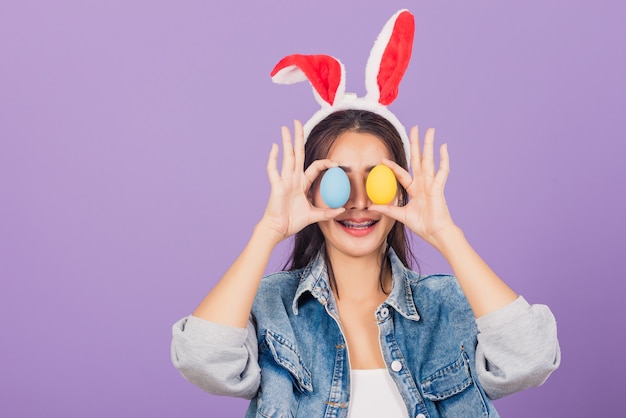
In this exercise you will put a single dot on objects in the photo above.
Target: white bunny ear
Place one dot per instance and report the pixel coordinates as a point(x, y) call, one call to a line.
point(325, 73)
point(390, 58)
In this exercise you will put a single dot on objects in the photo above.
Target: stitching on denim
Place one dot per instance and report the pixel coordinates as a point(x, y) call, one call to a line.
point(337, 404)
point(299, 371)
point(460, 364)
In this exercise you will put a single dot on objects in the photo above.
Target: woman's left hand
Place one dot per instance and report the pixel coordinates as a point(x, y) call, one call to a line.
point(426, 213)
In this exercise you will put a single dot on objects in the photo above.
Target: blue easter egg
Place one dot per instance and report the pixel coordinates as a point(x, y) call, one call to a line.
point(335, 187)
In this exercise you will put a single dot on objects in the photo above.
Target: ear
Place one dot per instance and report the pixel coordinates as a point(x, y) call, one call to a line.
point(325, 73)
point(390, 58)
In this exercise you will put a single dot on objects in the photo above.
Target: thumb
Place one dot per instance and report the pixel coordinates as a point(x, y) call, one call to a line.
point(394, 212)
point(325, 214)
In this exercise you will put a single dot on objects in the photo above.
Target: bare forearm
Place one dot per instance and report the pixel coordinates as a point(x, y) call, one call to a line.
point(288, 210)
point(230, 301)
point(485, 291)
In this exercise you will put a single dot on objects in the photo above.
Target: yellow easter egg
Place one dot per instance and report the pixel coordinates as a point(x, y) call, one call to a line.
point(381, 185)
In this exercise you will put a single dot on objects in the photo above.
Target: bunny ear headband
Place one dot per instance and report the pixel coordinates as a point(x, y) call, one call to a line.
point(385, 67)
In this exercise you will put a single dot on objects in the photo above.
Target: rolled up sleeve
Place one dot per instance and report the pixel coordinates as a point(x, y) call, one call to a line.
point(517, 348)
point(219, 359)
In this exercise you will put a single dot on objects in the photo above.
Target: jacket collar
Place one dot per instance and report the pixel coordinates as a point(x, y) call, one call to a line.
point(314, 280)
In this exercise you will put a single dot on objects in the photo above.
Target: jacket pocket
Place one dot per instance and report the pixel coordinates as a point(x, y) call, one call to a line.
point(285, 355)
point(454, 391)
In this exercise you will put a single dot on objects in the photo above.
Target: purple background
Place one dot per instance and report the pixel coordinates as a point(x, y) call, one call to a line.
point(133, 142)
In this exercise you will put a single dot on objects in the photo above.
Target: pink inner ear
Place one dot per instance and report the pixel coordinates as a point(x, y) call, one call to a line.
point(396, 57)
point(322, 71)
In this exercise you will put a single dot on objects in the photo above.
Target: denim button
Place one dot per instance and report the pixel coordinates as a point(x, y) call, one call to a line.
point(384, 312)
point(396, 366)
point(420, 416)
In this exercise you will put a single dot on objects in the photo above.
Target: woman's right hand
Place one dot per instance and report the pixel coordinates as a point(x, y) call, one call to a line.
point(289, 209)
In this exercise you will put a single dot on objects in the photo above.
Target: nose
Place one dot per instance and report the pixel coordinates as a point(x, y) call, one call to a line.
point(358, 194)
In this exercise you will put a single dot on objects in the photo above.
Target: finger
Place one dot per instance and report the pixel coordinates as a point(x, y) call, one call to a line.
point(272, 165)
point(428, 158)
point(298, 145)
point(318, 215)
point(288, 159)
point(444, 168)
point(414, 143)
point(394, 212)
point(316, 167)
point(404, 177)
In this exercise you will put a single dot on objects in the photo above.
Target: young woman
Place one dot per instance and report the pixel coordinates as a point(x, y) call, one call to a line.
point(349, 329)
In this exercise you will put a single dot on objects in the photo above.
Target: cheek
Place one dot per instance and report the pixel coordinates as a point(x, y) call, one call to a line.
point(389, 223)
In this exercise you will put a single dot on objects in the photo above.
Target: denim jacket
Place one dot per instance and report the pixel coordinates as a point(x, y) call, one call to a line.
point(293, 360)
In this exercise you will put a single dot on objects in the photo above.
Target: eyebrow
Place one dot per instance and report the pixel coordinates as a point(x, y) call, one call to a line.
point(349, 169)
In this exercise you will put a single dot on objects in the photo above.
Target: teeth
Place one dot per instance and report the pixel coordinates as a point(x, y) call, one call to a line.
point(357, 225)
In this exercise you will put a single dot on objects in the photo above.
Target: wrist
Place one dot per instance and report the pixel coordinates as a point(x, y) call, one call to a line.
point(270, 235)
point(447, 238)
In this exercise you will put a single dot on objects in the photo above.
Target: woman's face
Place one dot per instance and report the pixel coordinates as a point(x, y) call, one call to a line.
point(357, 232)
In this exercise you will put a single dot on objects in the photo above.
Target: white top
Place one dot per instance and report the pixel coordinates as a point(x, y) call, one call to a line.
point(374, 394)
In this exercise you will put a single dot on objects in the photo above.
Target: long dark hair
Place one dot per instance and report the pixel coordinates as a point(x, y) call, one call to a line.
point(309, 241)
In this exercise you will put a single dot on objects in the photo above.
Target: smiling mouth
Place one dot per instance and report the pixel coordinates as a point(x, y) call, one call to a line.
point(357, 225)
